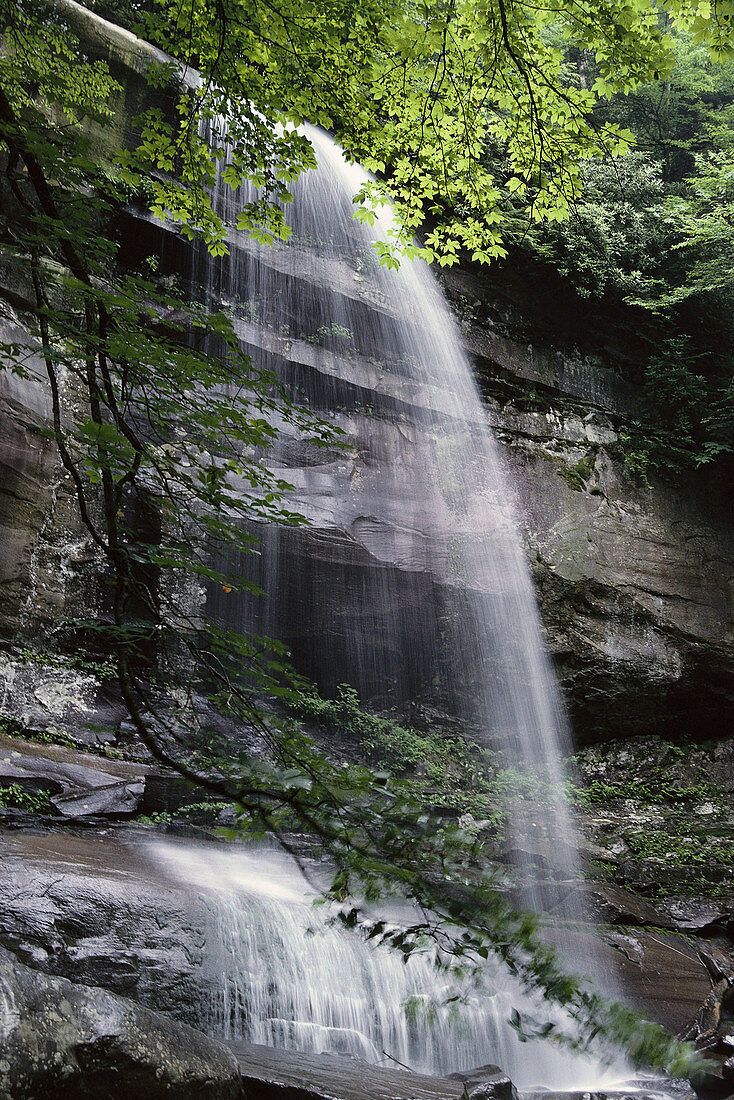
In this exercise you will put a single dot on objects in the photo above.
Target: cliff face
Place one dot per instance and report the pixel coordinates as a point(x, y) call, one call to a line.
point(634, 581)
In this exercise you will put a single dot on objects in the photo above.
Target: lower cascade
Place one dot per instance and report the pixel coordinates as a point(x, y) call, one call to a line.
point(284, 973)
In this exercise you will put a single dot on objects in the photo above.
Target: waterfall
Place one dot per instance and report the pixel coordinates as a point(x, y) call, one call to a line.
point(409, 584)
point(425, 593)
point(284, 974)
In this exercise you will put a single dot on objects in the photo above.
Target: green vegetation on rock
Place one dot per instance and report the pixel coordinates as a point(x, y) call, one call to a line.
point(666, 821)
point(34, 802)
point(446, 770)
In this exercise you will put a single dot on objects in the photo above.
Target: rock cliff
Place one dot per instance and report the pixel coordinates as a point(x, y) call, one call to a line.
point(634, 581)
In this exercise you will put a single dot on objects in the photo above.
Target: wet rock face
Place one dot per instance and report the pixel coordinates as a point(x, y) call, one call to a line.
point(272, 1074)
point(26, 488)
point(487, 1083)
point(633, 581)
point(74, 788)
point(92, 910)
point(62, 1041)
point(634, 590)
point(47, 566)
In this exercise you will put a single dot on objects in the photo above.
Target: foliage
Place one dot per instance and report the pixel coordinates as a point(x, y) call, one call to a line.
point(658, 789)
point(704, 221)
point(446, 772)
point(35, 802)
point(687, 115)
point(618, 236)
point(686, 418)
point(623, 236)
point(678, 855)
point(654, 229)
point(11, 727)
point(672, 820)
point(198, 813)
point(577, 476)
point(423, 94)
point(101, 669)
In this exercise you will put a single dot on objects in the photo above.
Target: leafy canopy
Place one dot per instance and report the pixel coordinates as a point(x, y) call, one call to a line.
point(653, 229)
point(421, 93)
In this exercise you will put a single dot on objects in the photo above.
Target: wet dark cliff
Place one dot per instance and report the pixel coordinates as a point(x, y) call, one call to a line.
point(634, 580)
point(634, 577)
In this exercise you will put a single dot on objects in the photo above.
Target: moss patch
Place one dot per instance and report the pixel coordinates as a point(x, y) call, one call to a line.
point(577, 476)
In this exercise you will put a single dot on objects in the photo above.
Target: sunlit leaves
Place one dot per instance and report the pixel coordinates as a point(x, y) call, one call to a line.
point(418, 92)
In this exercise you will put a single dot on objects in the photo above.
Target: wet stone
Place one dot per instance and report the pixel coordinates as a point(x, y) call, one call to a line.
point(270, 1074)
point(61, 1041)
point(486, 1083)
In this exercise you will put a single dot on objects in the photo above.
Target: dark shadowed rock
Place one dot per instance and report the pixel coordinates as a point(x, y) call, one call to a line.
point(486, 1083)
point(697, 914)
point(719, 960)
point(62, 1041)
point(611, 905)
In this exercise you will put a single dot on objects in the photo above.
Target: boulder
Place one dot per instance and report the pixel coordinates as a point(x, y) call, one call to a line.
point(63, 1041)
point(663, 976)
point(659, 973)
point(486, 1083)
point(94, 910)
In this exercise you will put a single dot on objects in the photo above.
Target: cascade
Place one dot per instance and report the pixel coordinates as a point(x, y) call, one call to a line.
point(285, 973)
point(419, 590)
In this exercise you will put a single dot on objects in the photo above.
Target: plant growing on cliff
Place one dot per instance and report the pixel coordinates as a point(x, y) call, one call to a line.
point(163, 448)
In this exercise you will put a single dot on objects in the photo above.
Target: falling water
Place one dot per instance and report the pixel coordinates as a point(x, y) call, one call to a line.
point(427, 594)
point(410, 582)
point(286, 973)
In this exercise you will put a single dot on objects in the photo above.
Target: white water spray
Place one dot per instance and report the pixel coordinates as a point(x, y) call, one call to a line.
point(286, 973)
